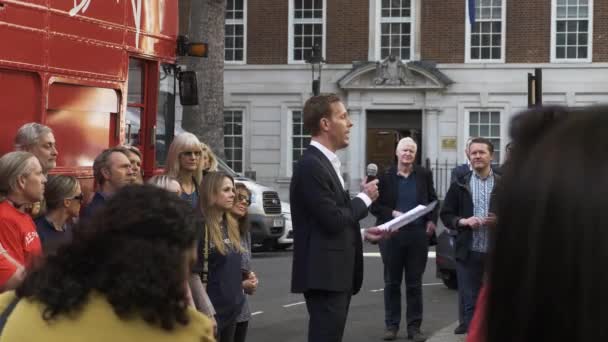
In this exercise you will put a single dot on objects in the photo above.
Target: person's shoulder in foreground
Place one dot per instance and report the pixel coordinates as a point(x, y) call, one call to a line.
point(96, 321)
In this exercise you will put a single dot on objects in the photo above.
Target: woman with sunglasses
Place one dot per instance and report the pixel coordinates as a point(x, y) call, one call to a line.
point(220, 253)
point(63, 198)
point(250, 281)
point(184, 163)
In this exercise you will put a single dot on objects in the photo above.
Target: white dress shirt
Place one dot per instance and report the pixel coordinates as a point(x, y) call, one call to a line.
point(335, 162)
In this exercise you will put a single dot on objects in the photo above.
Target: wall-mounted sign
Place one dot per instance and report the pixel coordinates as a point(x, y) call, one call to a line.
point(448, 143)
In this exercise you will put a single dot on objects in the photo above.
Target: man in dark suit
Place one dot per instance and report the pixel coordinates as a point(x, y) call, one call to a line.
point(403, 187)
point(327, 256)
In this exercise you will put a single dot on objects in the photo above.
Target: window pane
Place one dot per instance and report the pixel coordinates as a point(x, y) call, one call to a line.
point(474, 117)
point(484, 130)
point(495, 131)
point(495, 117)
point(484, 117)
point(560, 52)
point(135, 82)
point(474, 131)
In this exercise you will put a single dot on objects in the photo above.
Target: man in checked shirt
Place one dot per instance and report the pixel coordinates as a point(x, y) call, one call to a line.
point(466, 210)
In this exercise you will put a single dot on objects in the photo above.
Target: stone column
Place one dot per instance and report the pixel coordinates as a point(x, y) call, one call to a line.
point(432, 133)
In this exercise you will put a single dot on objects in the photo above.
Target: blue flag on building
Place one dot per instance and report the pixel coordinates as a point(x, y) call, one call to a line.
point(472, 12)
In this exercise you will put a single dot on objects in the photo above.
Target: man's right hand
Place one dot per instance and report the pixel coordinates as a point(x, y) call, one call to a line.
point(473, 222)
point(371, 189)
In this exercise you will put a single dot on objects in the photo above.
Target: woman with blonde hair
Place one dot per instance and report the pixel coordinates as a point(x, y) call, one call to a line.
point(220, 253)
point(184, 163)
point(208, 158)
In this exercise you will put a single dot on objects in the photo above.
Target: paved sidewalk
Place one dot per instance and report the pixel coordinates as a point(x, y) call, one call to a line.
point(447, 335)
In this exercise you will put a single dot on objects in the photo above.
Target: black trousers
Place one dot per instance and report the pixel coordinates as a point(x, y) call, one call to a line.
point(226, 333)
point(328, 311)
point(406, 253)
point(240, 333)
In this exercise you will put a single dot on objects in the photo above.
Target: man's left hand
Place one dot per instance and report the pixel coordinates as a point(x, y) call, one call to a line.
point(375, 234)
point(430, 228)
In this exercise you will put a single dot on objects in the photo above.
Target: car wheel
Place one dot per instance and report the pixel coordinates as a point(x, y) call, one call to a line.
point(282, 246)
point(449, 280)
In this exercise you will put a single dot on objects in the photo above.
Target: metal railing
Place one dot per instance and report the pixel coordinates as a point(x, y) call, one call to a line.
point(442, 171)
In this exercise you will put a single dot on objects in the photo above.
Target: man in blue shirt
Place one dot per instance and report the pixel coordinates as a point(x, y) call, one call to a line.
point(466, 210)
point(402, 188)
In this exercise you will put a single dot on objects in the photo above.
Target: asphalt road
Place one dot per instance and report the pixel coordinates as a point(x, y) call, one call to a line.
point(282, 316)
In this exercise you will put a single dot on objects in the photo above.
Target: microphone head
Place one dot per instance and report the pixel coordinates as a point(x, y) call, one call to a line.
point(372, 170)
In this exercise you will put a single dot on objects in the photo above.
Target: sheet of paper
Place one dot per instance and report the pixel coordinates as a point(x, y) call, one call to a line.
point(408, 217)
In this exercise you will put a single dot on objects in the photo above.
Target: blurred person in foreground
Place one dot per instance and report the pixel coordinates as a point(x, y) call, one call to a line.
point(21, 183)
point(133, 291)
point(403, 187)
point(551, 224)
point(63, 198)
point(242, 201)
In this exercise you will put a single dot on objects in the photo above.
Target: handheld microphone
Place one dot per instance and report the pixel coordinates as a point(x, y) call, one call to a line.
point(372, 172)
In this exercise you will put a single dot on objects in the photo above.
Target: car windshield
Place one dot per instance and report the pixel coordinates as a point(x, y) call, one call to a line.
point(222, 166)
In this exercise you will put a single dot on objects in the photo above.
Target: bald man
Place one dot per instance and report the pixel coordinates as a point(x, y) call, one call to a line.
point(403, 187)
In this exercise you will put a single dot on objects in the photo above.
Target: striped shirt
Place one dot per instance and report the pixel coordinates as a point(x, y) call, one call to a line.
point(481, 190)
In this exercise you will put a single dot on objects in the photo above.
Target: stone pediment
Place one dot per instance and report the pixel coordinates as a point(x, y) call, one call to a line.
point(392, 73)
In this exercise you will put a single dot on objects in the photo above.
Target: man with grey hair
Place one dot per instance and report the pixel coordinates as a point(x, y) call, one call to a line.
point(403, 187)
point(21, 184)
point(39, 140)
point(112, 170)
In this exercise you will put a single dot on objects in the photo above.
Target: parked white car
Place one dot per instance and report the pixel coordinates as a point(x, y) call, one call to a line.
point(286, 240)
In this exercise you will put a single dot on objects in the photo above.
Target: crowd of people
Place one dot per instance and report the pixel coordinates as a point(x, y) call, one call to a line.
point(172, 258)
point(169, 258)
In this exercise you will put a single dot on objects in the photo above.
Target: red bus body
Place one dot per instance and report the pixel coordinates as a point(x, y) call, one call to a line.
point(70, 63)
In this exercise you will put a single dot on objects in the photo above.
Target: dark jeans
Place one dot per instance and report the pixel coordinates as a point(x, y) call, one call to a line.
point(327, 311)
point(470, 277)
point(240, 334)
point(405, 253)
point(226, 334)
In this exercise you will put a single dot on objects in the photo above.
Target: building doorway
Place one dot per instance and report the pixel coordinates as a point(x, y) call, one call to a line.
point(384, 130)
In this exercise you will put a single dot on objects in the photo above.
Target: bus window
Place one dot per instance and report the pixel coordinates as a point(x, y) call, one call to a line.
point(135, 101)
point(81, 118)
point(165, 116)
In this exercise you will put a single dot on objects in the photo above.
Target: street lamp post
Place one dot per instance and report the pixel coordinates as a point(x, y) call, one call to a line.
point(316, 63)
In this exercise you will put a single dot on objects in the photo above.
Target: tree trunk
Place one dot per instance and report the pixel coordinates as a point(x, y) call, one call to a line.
point(206, 24)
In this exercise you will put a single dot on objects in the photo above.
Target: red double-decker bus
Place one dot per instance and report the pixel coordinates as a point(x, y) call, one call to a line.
point(98, 72)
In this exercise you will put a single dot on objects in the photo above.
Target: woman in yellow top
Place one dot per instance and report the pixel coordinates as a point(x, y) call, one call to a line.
point(121, 279)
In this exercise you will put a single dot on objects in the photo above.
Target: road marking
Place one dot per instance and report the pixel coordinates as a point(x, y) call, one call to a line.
point(257, 313)
point(432, 255)
point(293, 304)
point(378, 290)
point(432, 284)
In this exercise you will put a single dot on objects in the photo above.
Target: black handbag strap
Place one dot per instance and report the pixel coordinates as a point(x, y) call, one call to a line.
point(7, 312)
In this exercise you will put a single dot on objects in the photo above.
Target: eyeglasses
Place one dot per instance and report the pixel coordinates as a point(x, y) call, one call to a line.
point(191, 153)
point(79, 197)
point(243, 198)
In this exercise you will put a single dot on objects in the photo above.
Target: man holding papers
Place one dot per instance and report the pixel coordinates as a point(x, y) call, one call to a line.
point(403, 188)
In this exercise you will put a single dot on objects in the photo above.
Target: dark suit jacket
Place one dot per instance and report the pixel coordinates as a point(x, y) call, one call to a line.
point(458, 203)
point(383, 207)
point(327, 253)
